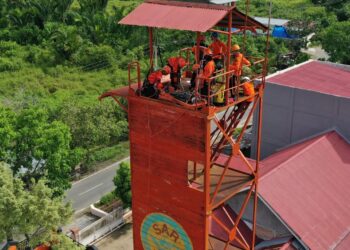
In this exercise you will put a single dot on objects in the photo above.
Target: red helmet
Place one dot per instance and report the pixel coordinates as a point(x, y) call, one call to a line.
point(166, 70)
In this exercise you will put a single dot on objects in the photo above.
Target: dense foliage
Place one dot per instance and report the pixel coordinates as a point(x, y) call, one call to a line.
point(326, 18)
point(122, 182)
point(33, 212)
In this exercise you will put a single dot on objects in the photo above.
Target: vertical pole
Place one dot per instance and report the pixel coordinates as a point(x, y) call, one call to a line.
point(207, 181)
point(194, 170)
point(197, 47)
point(261, 93)
point(261, 102)
point(150, 34)
point(228, 56)
point(255, 208)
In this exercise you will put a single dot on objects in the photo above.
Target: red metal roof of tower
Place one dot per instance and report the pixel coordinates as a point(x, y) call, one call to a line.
point(185, 16)
point(309, 190)
point(315, 76)
point(174, 17)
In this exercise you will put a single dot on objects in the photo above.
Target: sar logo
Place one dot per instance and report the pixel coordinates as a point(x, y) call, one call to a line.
point(160, 232)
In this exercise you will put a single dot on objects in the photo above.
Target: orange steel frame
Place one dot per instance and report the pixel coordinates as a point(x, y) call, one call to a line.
point(216, 140)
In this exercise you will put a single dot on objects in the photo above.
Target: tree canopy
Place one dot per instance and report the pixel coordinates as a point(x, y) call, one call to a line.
point(335, 40)
point(36, 148)
point(122, 182)
point(33, 212)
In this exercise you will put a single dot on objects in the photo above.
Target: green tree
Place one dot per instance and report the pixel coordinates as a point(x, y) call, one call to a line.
point(43, 149)
point(122, 182)
point(33, 212)
point(92, 6)
point(340, 7)
point(95, 124)
point(7, 133)
point(336, 41)
point(60, 241)
point(65, 41)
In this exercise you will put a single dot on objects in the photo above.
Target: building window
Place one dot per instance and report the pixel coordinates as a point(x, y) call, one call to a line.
point(195, 175)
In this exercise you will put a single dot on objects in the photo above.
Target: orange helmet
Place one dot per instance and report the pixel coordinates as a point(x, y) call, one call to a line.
point(166, 70)
point(182, 62)
point(208, 51)
point(235, 47)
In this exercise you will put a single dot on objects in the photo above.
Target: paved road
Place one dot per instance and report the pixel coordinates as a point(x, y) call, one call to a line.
point(91, 189)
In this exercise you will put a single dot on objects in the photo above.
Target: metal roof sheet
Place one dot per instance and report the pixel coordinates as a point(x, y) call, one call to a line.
point(273, 21)
point(180, 17)
point(315, 76)
point(188, 16)
point(344, 243)
point(309, 190)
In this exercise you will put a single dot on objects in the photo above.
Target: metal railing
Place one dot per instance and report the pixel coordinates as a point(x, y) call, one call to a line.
point(134, 66)
point(235, 89)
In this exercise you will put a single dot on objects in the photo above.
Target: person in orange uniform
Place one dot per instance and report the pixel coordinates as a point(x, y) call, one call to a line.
point(219, 49)
point(202, 47)
point(248, 89)
point(238, 62)
point(208, 70)
point(153, 84)
point(176, 64)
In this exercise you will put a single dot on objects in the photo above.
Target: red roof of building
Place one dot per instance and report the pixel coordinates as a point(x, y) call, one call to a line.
point(315, 76)
point(308, 187)
point(227, 216)
point(344, 243)
point(187, 16)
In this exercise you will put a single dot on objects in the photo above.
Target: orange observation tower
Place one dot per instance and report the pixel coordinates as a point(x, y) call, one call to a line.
point(185, 162)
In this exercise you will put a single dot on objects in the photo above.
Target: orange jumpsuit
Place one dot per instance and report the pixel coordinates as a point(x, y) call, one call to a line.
point(218, 48)
point(176, 64)
point(248, 90)
point(208, 72)
point(238, 64)
point(209, 69)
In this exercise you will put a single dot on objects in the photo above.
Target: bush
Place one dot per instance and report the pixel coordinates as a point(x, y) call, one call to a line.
point(6, 47)
point(106, 199)
point(94, 57)
point(122, 182)
point(7, 64)
point(108, 153)
point(29, 34)
point(41, 56)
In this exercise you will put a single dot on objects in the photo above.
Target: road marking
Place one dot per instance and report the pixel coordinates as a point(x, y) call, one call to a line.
point(90, 189)
point(106, 168)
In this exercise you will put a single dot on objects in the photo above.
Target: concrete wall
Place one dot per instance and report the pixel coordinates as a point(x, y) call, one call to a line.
point(292, 115)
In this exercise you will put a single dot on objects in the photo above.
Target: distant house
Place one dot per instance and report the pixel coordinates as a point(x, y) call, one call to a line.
point(304, 101)
point(304, 201)
point(278, 26)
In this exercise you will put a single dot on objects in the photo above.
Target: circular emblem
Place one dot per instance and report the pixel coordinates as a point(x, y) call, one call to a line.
point(159, 231)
